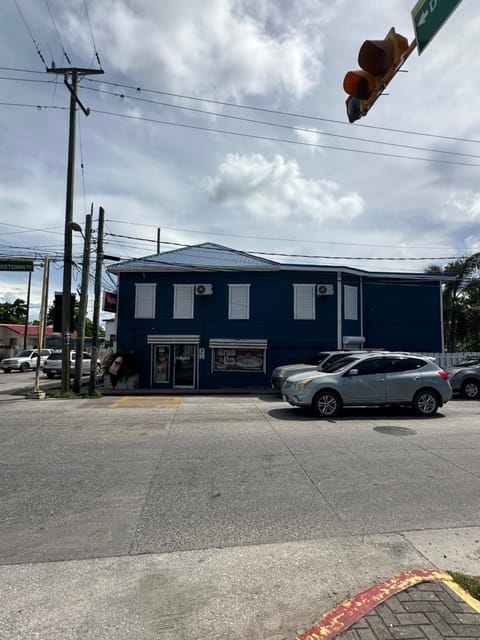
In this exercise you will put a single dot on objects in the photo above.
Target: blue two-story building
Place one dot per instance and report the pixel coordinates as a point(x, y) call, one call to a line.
point(208, 316)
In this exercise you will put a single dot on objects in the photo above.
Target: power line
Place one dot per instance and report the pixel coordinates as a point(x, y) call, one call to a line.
point(283, 113)
point(91, 33)
point(283, 140)
point(57, 32)
point(291, 255)
point(283, 126)
point(304, 116)
point(250, 135)
point(30, 33)
point(248, 237)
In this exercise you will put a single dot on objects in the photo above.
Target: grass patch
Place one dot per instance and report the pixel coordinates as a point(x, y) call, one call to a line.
point(65, 394)
point(471, 584)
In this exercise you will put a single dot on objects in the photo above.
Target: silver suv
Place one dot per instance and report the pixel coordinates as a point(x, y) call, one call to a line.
point(373, 379)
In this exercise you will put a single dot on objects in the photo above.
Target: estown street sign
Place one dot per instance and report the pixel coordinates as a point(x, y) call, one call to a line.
point(16, 265)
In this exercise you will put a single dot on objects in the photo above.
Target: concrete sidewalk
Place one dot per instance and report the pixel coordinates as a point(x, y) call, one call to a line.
point(413, 605)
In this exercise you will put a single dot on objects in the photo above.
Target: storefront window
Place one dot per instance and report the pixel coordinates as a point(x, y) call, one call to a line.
point(238, 359)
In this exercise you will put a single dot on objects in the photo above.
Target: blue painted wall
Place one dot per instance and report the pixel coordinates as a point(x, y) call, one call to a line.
point(396, 315)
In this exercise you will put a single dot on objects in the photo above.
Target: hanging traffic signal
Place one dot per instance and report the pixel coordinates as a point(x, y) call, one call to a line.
point(379, 61)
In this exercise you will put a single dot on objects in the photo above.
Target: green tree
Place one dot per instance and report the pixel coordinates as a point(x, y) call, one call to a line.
point(461, 303)
point(13, 312)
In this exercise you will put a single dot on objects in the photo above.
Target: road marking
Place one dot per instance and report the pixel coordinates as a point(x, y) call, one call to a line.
point(350, 611)
point(134, 402)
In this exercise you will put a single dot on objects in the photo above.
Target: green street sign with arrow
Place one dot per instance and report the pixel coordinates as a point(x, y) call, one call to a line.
point(428, 17)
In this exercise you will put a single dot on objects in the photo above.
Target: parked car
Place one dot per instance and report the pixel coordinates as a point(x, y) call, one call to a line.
point(321, 361)
point(465, 378)
point(25, 360)
point(53, 364)
point(372, 379)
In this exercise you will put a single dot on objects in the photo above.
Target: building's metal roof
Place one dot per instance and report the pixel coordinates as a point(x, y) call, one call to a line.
point(209, 256)
point(202, 256)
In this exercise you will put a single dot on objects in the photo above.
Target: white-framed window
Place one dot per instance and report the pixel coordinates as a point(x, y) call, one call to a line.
point(183, 301)
point(350, 302)
point(145, 300)
point(238, 301)
point(304, 301)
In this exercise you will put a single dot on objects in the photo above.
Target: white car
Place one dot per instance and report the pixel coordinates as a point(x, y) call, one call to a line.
point(25, 360)
point(53, 364)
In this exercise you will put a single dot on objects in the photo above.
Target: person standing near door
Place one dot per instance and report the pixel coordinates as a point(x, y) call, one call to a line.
point(115, 371)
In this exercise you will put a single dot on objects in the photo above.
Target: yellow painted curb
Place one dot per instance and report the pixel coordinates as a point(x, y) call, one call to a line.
point(464, 595)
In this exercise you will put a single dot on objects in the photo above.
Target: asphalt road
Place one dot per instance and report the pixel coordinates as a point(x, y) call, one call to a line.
point(215, 517)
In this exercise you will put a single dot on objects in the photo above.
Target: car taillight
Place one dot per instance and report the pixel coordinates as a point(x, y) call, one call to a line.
point(443, 373)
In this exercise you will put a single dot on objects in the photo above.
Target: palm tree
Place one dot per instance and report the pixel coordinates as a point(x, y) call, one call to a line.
point(461, 303)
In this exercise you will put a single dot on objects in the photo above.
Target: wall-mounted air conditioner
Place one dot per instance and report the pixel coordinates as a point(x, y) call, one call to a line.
point(325, 290)
point(203, 289)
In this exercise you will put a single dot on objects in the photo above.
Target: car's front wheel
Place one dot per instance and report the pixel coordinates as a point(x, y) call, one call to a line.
point(24, 366)
point(326, 404)
point(470, 389)
point(425, 403)
point(7, 369)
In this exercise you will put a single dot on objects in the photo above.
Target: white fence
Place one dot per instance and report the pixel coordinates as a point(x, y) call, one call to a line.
point(450, 359)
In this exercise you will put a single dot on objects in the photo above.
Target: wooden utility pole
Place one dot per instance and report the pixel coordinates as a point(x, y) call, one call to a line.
point(72, 73)
point(96, 304)
point(82, 311)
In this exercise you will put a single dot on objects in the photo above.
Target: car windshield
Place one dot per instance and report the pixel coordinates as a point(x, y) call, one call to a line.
point(55, 356)
point(24, 354)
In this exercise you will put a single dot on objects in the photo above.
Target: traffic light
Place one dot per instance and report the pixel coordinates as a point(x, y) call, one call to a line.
point(379, 61)
point(57, 312)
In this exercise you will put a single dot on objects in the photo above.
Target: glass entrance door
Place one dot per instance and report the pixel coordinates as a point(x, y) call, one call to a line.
point(184, 365)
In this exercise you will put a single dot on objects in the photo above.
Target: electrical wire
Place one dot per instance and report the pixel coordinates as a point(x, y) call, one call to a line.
point(303, 116)
point(283, 113)
point(30, 34)
point(283, 126)
point(57, 32)
point(282, 140)
point(91, 33)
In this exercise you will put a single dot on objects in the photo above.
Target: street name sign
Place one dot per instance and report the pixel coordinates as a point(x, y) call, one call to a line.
point(16, 265)
point(428, 17)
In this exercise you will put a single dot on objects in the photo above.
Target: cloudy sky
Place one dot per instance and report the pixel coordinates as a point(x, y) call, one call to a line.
point(224, 121)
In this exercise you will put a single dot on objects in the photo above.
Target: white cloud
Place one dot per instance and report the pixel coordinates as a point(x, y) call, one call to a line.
point(276, 189)
point(217, 47)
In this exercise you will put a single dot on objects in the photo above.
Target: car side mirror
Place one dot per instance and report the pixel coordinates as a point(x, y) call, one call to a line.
point(353, 372)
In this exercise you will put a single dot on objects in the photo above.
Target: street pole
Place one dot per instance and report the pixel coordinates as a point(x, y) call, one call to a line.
point(82, 312)
point(25, 332)
point(67, 253)
point(41, 328)
point(96, 304)
point(74, 73)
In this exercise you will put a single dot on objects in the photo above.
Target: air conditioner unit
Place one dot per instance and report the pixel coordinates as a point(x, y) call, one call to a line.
point(325, 290)
point(203, 289)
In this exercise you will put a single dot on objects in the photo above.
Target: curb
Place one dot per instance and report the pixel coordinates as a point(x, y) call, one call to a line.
point(351, 611)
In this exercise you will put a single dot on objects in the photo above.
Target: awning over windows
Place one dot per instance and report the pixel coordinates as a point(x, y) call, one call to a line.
point(173, 339)
point(230, 343)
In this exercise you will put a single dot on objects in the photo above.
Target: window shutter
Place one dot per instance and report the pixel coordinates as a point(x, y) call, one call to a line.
point(239, 302)
point(183, 301)
point(350, 295)
point(145, 300)
point(304, 301)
